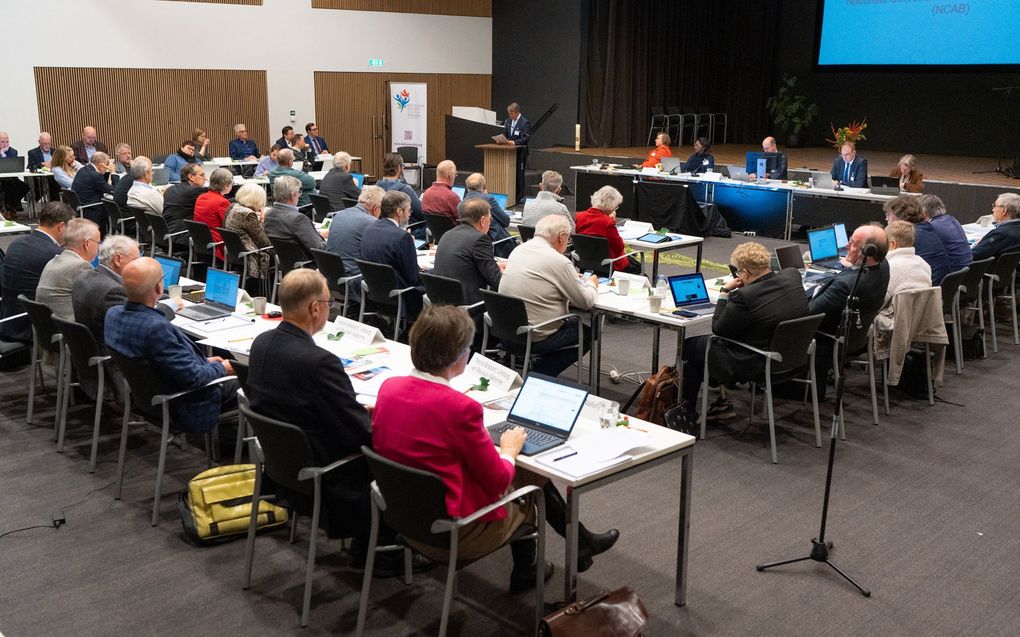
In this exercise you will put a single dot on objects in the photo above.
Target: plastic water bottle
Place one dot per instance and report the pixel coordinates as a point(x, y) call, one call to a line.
point(662, 286)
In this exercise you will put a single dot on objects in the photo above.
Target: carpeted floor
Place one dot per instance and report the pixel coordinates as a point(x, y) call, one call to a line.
point(924, 512)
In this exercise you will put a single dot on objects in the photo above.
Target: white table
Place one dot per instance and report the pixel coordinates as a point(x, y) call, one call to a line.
point(976, 232)
point(13, 227)
point(676, 242)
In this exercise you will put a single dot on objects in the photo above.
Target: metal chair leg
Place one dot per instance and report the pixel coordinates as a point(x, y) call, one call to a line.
point(97, 420)
point(161, 466)
point(772, 416)
point(451, 574)
point(123, 441)
point(310, 566)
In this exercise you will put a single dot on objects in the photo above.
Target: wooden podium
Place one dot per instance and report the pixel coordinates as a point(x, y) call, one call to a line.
point(500, 162)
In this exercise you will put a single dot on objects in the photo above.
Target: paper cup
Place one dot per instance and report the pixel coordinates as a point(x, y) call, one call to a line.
point(259, 304)
point(175, 292)
point(623, 286)
point(654, 303)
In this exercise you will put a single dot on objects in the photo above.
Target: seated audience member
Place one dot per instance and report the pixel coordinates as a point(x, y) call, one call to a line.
point(285, 221)
point(285, 134)
point(1005, 236)
point(42, 155)
point(302, 153)
point(269, 163)
point(142, 193)
point(338, 184)
point(907, 271)
point(447, 436)
point(286, 169)
point(290, 378)
point(547, 201)
point(465, 253)
point(91, 183)
point(749, 309)
point(246, 216)
point(88, 146)
point(179, 199)
point(81, 245)
point(848, 169)
point(124, 158)
point(440, 199)
point(13, 188)
point(349, 224)
point(242, 148)
point(386, 241)
point(138, 330)
point(949, 230)
point(911, 179)
point(927, 243)
point(201, 140)
point(768, 145)
point(701, 161)
point(475, 185)
point(393, 169)
point(316, 143)
point(121, 190)
point(600, 221)
point(24, 262)
point(660, 151)
point(211, 206)
point(65, 166)
point(539, 274)
point(185, 155)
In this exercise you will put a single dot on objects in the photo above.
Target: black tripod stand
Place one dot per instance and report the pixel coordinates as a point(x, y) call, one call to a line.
point(819, 547)
point(1006, 137)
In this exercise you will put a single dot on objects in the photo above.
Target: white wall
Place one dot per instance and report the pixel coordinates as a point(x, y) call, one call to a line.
point(159, 34)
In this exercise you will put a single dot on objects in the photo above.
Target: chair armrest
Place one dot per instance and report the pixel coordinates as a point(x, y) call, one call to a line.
point(165, 398)
point(495, 243)
point(528, 328)
point(472, 306)
point(15, 316)
point(773, 355)
point(349, 279)
point(622, 256)
point(442, 526)
point(307, 473)
point(213, 244)
point(174, 234)
point(98, 360)
point(255, 251)
point(56, 338)
point(91, 205)
point(400, 291)
point(416, 224)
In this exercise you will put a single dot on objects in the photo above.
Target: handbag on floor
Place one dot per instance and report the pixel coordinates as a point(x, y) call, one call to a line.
point(217, 504)
point(659, 394)
point(616, 613)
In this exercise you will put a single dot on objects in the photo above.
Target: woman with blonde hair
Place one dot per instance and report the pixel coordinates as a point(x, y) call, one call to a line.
point(911, 179)
point(65, 166)
point(247, 216)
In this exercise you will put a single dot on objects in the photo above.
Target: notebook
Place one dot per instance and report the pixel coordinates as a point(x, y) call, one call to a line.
point(737, 172)
point(841, 238)
point(670, 164)
point(160, 176)
point(547, 408)
point(790, 257)
point(824, 248)
point(220, 297)
point(171, 269)
point(690, 293)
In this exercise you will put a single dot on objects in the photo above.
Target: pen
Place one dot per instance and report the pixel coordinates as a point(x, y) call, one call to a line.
point(239, 340)
point(564, 457)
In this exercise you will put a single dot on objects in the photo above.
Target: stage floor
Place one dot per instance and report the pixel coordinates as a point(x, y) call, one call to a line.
point(947, 168)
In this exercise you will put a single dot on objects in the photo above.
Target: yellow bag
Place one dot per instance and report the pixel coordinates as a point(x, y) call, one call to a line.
point(217, 504)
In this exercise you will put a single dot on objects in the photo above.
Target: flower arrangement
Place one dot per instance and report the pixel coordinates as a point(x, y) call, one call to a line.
point(852, 132)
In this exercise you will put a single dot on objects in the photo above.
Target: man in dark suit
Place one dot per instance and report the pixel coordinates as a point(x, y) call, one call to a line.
point(465, 253)
point(138, 330)
point(315, 143)
point(1005, 236)
point(285, 221)
point(179, 200)
point(42, 154)
point(13, 188)
point(285, 134)
point(749, 308)
point(90, 184)
point(517, 130)
point(386, 242)
point(849, 169)
point(86, 147)
point(26, 257)
point(338, 184)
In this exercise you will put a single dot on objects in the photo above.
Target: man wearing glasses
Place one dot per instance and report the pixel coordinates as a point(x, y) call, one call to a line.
point(242, 148)
point(386, 241)
point(81, 245)
point(1005, 236)
point(316, 143)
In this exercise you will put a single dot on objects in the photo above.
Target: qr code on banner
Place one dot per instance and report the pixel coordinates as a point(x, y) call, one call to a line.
point(408, 135)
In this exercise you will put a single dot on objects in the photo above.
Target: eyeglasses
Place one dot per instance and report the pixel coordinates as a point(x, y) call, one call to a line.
point(329, 302)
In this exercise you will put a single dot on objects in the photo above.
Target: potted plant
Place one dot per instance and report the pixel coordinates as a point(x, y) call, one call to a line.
point(791, 113)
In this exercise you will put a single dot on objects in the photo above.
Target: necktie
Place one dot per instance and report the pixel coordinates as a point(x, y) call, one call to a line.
point(846, 177)
point(315, 146)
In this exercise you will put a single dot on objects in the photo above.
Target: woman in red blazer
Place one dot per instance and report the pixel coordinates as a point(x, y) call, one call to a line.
point(211, 206)
point(447, 436)
point(600, 221)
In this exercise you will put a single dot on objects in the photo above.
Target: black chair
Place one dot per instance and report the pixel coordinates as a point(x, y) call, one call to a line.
point(200, 243)
point(412, 165)
point(348, 202)
point(70, 198)
point(951, 307)
point(972, 294)
point(289, 255)
point(235, 256)
point(162, 238)
point(592, 254)
point(1002, 285)
point(332, 267)
point(321, 207)
point(917, 299)
point(412, 502)
point(659, 122)
point(379, 285)
point(438, 225)
point(45, 338)
point(145, 391)
point(116, 220)
point(441, 290)
point(858, 344)
point(793, 346)
point(527, 233)
point(506, 318)
point(143, 230)
point(9, 349)
point(89, 365)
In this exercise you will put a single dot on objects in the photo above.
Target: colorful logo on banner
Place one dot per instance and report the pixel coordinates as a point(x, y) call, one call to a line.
point(403, 99)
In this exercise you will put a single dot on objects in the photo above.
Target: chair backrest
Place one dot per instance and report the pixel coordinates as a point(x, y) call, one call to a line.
point(332, 267)
point(70, 197)
point(233, 245)
point(858, 337)
point(81, 344)
point(443, 290)
point(408, 154)
point(288, 253)
point(590, 252)
point(438, 225)
point(41, 317)
point(321, 206)
point(950, 286)
point(414, 499)
point(507, 314)
point(975, 277)
point(1004, 269)
point(378, 280)
point(918, 298)
point(141, 223)
point(113, 216)
point(791, 340)
point(285, 449)
point(348, 202)
point(143, 381)
point(157, 224)
point(527, 233)
point(201, 237)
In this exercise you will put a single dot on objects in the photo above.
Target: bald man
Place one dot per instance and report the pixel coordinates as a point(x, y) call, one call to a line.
point(475, 185)
point(440, 199)
point(768, 145)
point(88, 145)
point(41, 155)
point(138, 330)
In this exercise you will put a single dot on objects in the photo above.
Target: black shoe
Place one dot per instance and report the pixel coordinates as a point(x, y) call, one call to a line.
point(721, 410)
point(523, 579)
point(593, 544)
point(391, 564)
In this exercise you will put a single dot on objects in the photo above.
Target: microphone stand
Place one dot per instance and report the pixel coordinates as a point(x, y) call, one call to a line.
point(819, 546)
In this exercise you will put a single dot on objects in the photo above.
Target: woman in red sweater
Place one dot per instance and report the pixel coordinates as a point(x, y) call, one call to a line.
point(600, 221)
point(211, 206)
point(420, 421)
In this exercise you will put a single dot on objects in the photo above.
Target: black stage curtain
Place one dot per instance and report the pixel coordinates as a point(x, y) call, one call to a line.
point(707, 54)
point(673, 206)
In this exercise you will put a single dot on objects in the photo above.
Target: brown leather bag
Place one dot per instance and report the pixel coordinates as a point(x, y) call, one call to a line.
point(606, 614)
point(661, 392)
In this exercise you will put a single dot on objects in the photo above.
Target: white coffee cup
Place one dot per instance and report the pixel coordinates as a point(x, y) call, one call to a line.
point(623, 286)
point(259, 304)
point(175, 292)
point(654, 303)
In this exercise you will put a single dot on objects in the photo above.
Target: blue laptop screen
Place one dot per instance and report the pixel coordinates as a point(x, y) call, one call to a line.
point(171, 271)
point(359, 179)
point(459, 191)
point(822, 244)
point(841, 238)
point(688, 289)
point(221, 287)
point(500, 199)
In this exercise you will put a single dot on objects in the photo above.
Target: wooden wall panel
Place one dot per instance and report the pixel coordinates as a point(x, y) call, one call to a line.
point(353, 109)
point(474, 8)
point(250, 2)
point(152, 109)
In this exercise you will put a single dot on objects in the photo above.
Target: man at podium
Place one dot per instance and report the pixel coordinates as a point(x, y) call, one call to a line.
point(517, 130)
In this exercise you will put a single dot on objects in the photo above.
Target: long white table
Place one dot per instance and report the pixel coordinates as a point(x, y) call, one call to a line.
point(13, 227)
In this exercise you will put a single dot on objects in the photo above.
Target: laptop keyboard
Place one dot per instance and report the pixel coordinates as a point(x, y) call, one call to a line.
point(699, 306)
point(535, 437)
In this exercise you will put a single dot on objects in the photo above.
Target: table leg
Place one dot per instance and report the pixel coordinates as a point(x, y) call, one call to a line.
point(697, 264)
point(655, 265)
point(684, 524)
point(595, 353)
point(655, 350)
point(570, 562)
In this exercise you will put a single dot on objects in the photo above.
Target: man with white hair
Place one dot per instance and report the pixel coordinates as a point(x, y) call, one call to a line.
point(143, 194)
point(42, 155)
point(286, 169)
point(89, 144)
point(124, 158)
point(768, 145)
point(242, 148)
point(285, 221)
point(91, 183)
point(350, 223)
point(547, 202)
point(1005, 236)
point(539, 274)
point(81, 244)
point(14, 189)
point(440, 199)
point(338, 184)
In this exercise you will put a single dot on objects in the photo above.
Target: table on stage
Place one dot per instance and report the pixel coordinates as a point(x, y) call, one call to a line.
point(500, 166)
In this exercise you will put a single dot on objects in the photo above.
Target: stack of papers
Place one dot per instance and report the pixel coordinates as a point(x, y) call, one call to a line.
point(590, 454)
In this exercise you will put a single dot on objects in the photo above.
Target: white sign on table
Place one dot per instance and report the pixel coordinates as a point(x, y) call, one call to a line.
point(501, 379)
point(354, 332)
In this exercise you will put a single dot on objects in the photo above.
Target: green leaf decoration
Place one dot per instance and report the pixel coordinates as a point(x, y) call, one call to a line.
point(335, 337)
point(483, 385)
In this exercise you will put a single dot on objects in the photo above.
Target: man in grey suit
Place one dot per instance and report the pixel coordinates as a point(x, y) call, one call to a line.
point(81, 244)
point(99, 290)
point(285, 221)
point(338, 184)
point(348, 224)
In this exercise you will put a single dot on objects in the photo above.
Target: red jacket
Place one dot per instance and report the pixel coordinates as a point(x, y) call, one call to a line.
point(598, 224)
point(428, 425)
point(211, 209)
point(439, 199)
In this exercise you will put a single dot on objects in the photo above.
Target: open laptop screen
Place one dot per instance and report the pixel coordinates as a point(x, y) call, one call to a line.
point(500, 199)
point(459, 191)
point(688, 289)
point(841, 238)
point(822, 244)
point(171, 270)
point(548, 403)
point(359, 179)
point(221, 287)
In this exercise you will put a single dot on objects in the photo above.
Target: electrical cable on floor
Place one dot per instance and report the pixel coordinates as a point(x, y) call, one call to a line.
point(29, 528)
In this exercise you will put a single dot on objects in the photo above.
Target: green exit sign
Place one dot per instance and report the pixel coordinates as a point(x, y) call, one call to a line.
point(375, 62)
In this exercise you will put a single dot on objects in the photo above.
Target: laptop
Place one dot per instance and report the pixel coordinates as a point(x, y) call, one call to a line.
point(500, 199)
point(12, 164)
point(459, 191)
point(884, 185)
point(737, 172)
point(547, 408)
point(160, 176)
point(171, 270)
point(798, 175)
point(841, 238)
point(670, 164)
point(359, 179)
point(822, 179)
point(824, 248)
point(220, 297)
point(690, 293)
point(790, 257)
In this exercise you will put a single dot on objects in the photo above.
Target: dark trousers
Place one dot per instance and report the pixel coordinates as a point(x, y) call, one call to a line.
point(695, 349)
point(551, 362)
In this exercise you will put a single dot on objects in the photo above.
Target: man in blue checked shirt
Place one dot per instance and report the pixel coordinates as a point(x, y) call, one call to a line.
point(242, 148)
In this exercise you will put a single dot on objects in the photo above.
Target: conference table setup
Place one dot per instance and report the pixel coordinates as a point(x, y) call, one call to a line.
point(10, 228)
